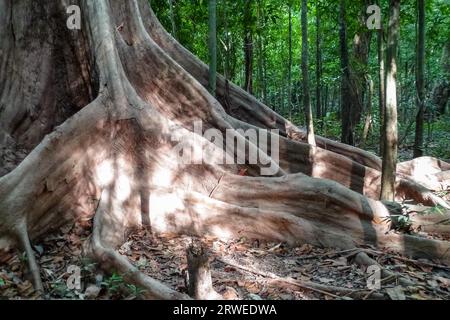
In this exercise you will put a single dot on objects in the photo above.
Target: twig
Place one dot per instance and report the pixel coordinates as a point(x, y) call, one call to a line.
point(302, 284)
point(329, 254)
point(424, 263)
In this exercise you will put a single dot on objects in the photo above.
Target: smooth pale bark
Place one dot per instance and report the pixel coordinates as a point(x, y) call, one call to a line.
point(381, 85)
point(420, 80)
point(390, 122)
point(305, 76)
point(212, 45)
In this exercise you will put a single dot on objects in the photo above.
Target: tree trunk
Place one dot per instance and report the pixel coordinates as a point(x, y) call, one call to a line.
point(172, 19)
point(319, 110)
point(95, 119)
point(441, 93)
point(290, 63)
point(358, 74)
point(368, 118)
point(420, 81)
point(390, 121)
point(212, 45)
point(305, 77)
point(381, 84)
point(248, 47)
point(347, 135)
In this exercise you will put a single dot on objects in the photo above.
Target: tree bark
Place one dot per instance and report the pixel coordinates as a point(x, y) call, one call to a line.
point(305, 76)
point(248, 47)
point(319, 110)
point(420, 80)
point(359, 73)
point(381, 85)
point(441, 92)
point(390, 122)
point(290, 62)
point(368, 118)
point(212, 45)
point(347, 135)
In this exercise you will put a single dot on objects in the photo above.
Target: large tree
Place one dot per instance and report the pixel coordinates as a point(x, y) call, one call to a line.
point(90, 120)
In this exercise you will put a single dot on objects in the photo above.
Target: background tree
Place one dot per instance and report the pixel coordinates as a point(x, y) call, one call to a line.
point(248, 45)
point(172, 18)
point(381, 82)
point(305, 76)
point(212, 44)
point(420, 79)
point(319, 111)
point(290, 61)
point(390, 121)
point(347, 135)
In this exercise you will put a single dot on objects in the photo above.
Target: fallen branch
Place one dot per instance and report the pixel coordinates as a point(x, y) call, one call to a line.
point(308, 285)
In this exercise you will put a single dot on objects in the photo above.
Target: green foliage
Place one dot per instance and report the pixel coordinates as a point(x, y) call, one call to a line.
point(135, 291)
point(438, 144)
point(114, 284)
point(269, 21)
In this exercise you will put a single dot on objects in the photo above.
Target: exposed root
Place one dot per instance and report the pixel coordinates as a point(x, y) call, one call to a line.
point(110, 259)
point(32, 264)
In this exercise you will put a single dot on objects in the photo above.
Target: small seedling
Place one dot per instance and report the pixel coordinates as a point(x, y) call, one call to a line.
point(113, 284)
point(134, 290)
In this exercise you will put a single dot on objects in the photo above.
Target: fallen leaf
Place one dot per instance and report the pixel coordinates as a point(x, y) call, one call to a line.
point(325, 280)
point(396, 293)
point(92, 292)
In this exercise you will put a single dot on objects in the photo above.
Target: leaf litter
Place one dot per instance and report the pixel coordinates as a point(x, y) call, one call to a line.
point(163, 257)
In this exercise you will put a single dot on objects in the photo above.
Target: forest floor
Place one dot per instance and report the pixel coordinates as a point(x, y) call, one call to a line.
point(241, 269)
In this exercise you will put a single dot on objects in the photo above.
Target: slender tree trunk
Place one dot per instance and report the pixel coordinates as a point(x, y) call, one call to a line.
point(420, 81)
point(319, 110)
point(381, 85)
point(248, 47)
point(212, 45)
point(227, 41)
point(290, 63)
point(260, 52)
point(389, 166)
point(441, 92)
point(347, 135)
point(368, 118)
point(358, 74)
point(305, 75)
point(172, 19)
